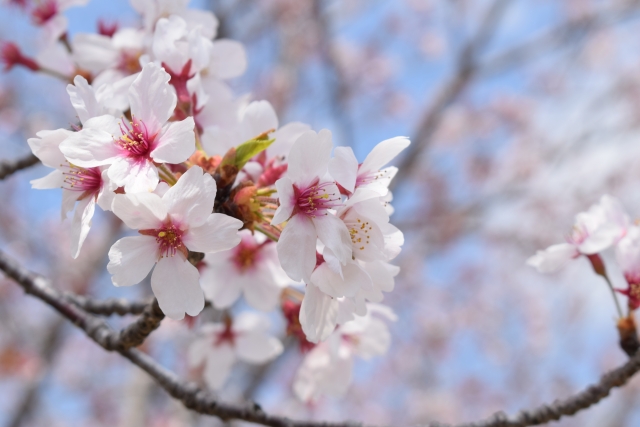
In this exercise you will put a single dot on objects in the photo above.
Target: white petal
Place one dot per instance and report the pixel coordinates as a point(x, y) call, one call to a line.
point(297, 248)
point(151, 97)
point(198, 350)
point(602, 238)
point(334, 234)
point(46, 146)
point(228, 59)
point(131, 259)
point(285, 137)
point(54, 179)
point(218, 233)
point(344, 168)
point(140, 211)
point(90, 147)
point(217, 286)
point(257, 347)
point(262, 292)
point(94, 52)
point(191, 199)
point(383, 153)
point(309, 157)
point(553, 258)
point(219, 363)
point(176, 142)
point(287, 203)
point(259, 117)
point(354, 279)
point(81, 223)
point(83, 99)
point(134, 175)
point(318, 314)
point(175, 283)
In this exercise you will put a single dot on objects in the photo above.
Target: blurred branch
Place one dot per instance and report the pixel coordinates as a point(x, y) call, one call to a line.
point(53, 339)
point(8, 167)
point(108, 307)
point(135, 334)
point(468, 67)
point(465, 70)
point(201, 401)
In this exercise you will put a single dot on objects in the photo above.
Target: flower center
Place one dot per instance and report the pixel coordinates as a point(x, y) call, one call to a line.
point(359, 232)
point(135, 138)
point(169, 239)
point(130, 61)
point(315, 200)
point(246, 255)
point(44, 12)
point(76, 178)
point(226, 335)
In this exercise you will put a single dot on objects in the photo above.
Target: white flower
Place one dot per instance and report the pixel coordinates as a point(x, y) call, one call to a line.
point(251, 268)
point(152, 10)
point(306, 195)
point(132, 149)
point(327, 368)
point(219, 345)
point(170, 226)
point(345, 170)
point(602, 226)
point(85, 186)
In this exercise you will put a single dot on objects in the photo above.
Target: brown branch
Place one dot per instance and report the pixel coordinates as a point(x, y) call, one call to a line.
point(108, 307)
point(8, 167)
point(135, 334)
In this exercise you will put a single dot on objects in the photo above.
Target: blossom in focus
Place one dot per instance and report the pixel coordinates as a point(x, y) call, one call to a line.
point(306, 195)
point(219, 345)
point(327, 368)
point(250, 269)
point(171, 226)
point(86, 186)
point(131, 149)
point(350, 175)
point(602, 226)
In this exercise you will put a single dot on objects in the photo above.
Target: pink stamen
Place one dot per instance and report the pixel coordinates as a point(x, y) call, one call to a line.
point(81, 179)
point(135, 138)
point(247, 254)
point(314, 200)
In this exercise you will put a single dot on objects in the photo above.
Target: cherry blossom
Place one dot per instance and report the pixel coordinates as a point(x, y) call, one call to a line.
point(628, 257)
point(86, 186)
point(306, 195)
point(350, 175)
point(251, 269)
point(170, 226)
point(132, 149)
point(219, 345)
point(602, 226)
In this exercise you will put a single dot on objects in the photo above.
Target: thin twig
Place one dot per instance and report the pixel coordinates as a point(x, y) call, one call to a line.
point(8, 167)
point(108, 307)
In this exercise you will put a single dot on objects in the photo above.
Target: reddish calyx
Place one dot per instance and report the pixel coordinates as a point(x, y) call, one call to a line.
point(291, 312)
point(11, 55)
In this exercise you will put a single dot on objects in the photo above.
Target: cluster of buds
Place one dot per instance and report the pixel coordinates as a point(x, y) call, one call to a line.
point(226, 202)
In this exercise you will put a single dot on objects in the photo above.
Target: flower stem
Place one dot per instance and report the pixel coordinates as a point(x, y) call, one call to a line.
point(168, 175)
point(613, 294)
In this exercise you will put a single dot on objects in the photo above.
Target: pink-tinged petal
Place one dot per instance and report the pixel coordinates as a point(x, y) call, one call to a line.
point(261, 291)
point(307, 384)
point(553, 258)
point(220, 360)
point(151, 97)
point(309, 157)
point(259, 117)
point(54, 179)
point(286, 198)
point(383, 153)
point(218, 233)
point(374, 341)
point(46, 146)
point(249, 321)
point(334, 234)
point(228, 59)
point(81, 224)
point(135, 176)
point(257, 347)
point(176, 142)
point(297, 248)
point(141, 211)
point(69, 199)
point(90, 147)
point(344, 168)
point(175, 283)
point(131, 259)
point(106, 193)
point(94, 52)
point(380, 184)
point(285, 137)
point(318, 314)
point(602, 238)
point(382, 274)
point(191, 199)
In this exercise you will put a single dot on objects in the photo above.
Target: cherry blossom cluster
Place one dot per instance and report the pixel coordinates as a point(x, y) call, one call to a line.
point(225, 201)
point(603, 226)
